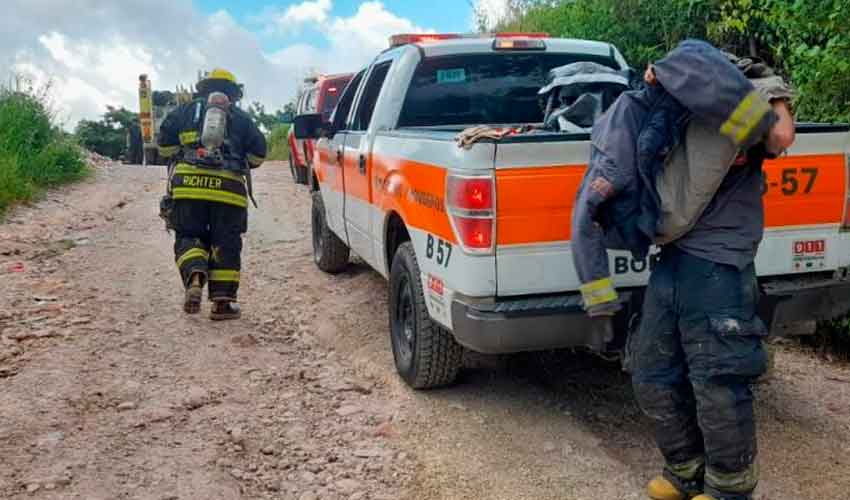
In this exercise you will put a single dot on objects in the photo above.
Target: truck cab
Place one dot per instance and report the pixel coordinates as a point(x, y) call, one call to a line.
point(475, 242)
point(320, 97)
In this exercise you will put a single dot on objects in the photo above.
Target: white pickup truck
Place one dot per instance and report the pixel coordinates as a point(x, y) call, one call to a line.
point(476, 243)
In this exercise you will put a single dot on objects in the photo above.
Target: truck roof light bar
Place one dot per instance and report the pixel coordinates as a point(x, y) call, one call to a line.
point(406, 38)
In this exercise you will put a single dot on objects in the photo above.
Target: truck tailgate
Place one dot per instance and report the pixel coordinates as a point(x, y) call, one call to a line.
point(804, 202)
point(537, 179)
point(536, 184)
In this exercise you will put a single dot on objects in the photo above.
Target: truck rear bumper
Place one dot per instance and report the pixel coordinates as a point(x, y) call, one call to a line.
point(787, 307)
point(529, 324)
point(794, 307)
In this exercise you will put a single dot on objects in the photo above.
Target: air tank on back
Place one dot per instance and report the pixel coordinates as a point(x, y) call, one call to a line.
point(214, 129)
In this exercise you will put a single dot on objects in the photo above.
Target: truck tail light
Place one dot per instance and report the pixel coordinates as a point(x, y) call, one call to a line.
point(474, 234)
point(519, 44)
point(471, 203)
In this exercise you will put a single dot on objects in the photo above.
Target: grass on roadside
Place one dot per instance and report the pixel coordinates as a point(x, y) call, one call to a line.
point(278, 143)
point(34, 152)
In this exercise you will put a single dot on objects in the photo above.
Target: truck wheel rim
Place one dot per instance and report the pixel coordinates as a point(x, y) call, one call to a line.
point(318, 250)
point(405, 322)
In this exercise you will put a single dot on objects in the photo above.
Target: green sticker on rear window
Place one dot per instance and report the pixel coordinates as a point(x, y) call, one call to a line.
point(456, 75)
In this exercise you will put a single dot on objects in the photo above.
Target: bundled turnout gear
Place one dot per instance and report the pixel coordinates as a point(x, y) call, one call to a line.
point(213, 146)
point(698, 165)
point(618, 205)
point(578, 93)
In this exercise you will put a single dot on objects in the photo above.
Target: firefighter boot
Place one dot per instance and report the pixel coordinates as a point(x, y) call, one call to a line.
point(660, 488)
point(224, 310)
point(194, 293)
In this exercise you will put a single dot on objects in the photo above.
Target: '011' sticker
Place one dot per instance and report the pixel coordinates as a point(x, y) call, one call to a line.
point(809, 254)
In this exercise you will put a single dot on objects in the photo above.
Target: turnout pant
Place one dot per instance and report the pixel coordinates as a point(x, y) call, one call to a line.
point(208, 240)
point(693, 359)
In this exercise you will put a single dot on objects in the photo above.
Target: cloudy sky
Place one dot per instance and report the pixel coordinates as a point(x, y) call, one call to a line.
point(92, 51)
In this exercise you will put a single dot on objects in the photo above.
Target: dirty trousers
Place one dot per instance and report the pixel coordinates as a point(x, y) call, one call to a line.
point(693, 359)
point(208, 240)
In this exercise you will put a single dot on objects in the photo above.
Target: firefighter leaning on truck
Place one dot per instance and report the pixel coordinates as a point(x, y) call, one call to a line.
point(211, 145)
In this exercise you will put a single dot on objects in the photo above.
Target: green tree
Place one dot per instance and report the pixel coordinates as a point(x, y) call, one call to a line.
point(806, 41)
point(265, 121)
point(107, 136)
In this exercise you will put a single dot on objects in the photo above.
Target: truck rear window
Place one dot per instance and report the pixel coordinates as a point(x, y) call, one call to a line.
point(490, 88)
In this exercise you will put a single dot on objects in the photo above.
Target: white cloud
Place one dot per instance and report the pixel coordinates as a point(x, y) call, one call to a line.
point(368, 30)
point(309, 11)
point(353, 40)
point(93, 55)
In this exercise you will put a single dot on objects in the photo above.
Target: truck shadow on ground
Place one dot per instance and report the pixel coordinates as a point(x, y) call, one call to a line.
point(580, 390)
point(561, 389)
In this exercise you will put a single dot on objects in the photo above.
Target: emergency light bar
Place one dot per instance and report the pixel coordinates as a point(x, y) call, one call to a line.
point(406, 38)
point(518, 44)
point(527, 41)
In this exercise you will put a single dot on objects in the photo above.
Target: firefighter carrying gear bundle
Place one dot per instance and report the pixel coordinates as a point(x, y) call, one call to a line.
point(618, 205)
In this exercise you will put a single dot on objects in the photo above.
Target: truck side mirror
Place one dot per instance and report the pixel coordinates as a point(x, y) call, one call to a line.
point(309, 126)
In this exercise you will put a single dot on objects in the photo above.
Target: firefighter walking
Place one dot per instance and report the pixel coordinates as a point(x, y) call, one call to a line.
point(212, 145)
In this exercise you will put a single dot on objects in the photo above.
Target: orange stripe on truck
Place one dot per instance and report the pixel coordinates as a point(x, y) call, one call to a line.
point(534, 205)
point(804, 190)
point(422, 207)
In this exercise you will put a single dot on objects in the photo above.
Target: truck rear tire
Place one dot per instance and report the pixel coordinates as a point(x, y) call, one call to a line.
point(292, 169)
point(426, 354)
point(329, 252)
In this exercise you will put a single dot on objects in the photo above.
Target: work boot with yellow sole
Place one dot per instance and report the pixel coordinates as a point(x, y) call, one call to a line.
point(224, 309)
point(660, 488)
point(703, 497)
point(194, 294)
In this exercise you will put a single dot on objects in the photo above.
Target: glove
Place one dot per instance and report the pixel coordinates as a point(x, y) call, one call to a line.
point(166, 211)
point(608, 309)
point(600, 298)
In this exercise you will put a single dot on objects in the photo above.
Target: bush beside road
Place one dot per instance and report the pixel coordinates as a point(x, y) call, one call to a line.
point(278, 144)
point(34, 152)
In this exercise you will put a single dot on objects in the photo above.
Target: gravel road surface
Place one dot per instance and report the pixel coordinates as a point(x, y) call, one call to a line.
point(107, 390)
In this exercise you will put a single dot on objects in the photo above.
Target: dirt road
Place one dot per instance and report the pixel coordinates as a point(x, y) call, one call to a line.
point(109, 391)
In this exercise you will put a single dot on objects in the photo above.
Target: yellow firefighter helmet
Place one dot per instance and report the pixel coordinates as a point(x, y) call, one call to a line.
point(220, 80)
